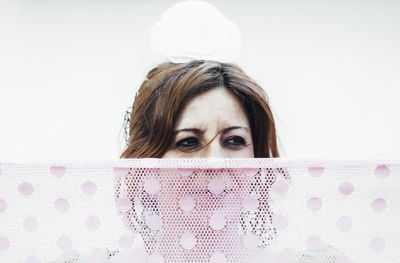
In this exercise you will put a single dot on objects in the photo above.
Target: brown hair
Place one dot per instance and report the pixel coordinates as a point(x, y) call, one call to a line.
point(167, 89)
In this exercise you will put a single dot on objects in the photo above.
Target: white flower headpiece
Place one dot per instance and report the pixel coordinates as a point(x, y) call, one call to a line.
point(195, 30)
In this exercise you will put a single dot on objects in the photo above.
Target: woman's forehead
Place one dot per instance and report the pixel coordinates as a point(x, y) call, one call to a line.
point(218, 107)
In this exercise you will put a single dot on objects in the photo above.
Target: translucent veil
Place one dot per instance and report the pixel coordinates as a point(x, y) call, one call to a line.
point(198, 210)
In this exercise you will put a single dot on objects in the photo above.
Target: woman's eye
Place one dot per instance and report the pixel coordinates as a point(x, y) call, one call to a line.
point(190, 142)
point(235, 141)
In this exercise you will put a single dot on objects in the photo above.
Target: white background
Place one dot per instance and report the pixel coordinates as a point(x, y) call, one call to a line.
point(70, 69)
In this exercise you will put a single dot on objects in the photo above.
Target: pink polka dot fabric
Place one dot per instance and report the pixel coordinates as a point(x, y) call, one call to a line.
point(202, 210)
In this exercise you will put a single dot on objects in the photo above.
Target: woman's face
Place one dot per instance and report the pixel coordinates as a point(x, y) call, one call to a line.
point(215, 116)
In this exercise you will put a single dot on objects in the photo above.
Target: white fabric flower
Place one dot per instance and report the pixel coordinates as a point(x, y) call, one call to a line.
point(195, 30)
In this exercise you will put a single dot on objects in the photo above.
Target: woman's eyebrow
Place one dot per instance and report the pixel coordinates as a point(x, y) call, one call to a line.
point(194, 130)
point(199, 131)
point(233, 128)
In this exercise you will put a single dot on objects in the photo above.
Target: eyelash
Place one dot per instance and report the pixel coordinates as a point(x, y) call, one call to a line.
point(241, 143)
point(180, 143)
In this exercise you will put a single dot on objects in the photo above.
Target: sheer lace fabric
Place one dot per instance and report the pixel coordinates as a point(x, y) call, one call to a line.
point(232, 210)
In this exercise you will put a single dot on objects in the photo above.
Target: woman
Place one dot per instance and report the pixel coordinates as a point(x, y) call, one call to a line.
point(200, 109)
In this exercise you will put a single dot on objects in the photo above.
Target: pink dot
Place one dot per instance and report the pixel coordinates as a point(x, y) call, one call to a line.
point(30, 224)
point(89, 188)
point(155, 257)
point(188, 240)
point(250, 172)
point(124, 204)
point(3, 205)
point(280, 222)
point(342, 259)
point(4, 243)
point(344, 223)
point(377, 244)
point(152, 186)
point(126, 241)
point(25, 188)
point(154, 222)
point(382, 171)
point(121, 171)
point(314, 242)
point(186, 203)
point(64, 243)
point(186, 171)
point(314, 203)
point(32, 259)
point(250, 204)
point(216, 186)
point(250, 241)
point(217, 221)
point(61, 204)
point(218, 257)
point(316, 171)
point(346, 188)
point(92, 223)
point(280, 187)
point(379, 205)
point(58, 171)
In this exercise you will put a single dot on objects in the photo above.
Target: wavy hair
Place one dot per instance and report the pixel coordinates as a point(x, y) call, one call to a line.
point(167, 89)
